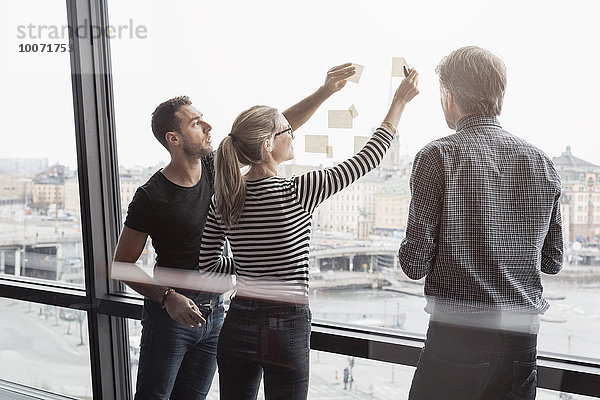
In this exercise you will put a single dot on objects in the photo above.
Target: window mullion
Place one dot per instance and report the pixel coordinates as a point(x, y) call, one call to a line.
point(96, 161)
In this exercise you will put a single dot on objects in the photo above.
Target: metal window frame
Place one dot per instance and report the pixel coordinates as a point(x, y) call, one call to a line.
point(100, 211)
point(99, 196)
point(17, 391)
point(569, 374)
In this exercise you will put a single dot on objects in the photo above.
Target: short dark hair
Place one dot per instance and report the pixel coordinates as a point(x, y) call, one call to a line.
point(164, 118)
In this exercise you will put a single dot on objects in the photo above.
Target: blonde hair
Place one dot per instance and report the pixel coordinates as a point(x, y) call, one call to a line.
point(476, 78)
point(243, 146)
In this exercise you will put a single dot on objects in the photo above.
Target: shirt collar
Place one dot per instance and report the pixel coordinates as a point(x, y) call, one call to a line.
point(474, 120)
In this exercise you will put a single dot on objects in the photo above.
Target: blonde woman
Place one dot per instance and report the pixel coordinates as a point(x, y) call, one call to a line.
point(267, 220)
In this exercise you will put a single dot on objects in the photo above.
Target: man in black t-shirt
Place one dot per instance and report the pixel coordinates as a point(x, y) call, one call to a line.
point(181, 327)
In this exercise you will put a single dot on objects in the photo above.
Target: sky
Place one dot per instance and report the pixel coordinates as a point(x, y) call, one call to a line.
point(228, 56)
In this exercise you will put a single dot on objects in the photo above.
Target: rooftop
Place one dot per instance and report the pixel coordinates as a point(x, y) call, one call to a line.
point(567, 159)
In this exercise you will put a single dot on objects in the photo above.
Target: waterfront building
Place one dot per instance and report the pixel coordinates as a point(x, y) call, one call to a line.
point(391, 206)
point(343, 211)
point(581, 195)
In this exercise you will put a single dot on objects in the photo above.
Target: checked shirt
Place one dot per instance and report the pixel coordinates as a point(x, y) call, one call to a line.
point(484, 221)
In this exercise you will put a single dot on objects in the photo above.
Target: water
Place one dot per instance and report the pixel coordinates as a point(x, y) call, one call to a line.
point(570, 326)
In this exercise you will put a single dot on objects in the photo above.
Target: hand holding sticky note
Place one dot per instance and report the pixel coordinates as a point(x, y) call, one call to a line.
point(358, 72)
point(400, 67)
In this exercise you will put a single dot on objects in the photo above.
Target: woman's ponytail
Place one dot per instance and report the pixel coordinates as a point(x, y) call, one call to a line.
point(230, 189)
point(243, 146)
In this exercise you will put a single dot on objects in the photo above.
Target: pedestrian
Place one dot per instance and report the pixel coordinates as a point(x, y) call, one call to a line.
point(346, 374)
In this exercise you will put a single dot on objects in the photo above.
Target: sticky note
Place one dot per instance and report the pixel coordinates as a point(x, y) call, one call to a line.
point(359, 142)
point(316, 143)
point(356, 77)
point(353, 111)
point(329, 151)
point(339, 119)
point(397, 67)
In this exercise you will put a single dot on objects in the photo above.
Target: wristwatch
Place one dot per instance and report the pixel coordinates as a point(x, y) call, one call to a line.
point(164, 297)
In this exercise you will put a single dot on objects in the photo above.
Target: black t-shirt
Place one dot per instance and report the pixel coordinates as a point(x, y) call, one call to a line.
point(173, 216)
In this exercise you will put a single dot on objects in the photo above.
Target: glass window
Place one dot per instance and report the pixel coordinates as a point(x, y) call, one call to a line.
point(225, 72)
point(40, 218)
point(45, 347)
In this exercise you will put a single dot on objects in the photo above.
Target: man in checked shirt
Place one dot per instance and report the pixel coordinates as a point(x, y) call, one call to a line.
point(484, 223)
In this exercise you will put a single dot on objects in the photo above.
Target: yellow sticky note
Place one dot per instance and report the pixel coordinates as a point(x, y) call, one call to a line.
point(316, 143)
point(359, 142)
point(329, 151)
point(358, 72)
point(397, 67)
point(353, 111)
point(339, 119)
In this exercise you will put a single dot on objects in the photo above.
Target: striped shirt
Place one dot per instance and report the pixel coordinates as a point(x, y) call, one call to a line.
point(270, 243)
point(484, 221)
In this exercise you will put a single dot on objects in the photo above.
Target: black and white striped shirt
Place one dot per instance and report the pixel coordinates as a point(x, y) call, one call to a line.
point(484, 221)
point(270, 242)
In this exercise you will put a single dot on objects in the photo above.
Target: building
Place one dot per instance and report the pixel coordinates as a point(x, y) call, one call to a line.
point(130, 178)
point(376, 203)
point(49, 187)
point(580, 195)
point(391, 206)
point(15, 187)
point(129, 182)
point(392, 158)
point(71, 195)
point(47, 191)
point(343, 211)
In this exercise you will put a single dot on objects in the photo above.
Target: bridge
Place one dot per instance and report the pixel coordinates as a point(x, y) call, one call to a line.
point(372, 256)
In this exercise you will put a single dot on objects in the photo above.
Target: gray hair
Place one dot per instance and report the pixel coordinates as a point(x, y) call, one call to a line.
point(476, 78)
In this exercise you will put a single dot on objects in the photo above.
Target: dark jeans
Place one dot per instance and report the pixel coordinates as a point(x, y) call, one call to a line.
point(260, 337)
point(473, 363)
point(177, 361)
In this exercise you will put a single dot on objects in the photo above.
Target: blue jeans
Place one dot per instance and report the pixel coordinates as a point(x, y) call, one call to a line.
point(261, 337)
point(177, 361)
point(460, 362)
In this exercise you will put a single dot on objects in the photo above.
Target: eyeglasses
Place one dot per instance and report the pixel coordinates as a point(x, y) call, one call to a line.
point(288, 129)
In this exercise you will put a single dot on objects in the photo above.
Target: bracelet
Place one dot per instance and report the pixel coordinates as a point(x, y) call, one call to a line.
point(164, 297)
point(391, 126)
